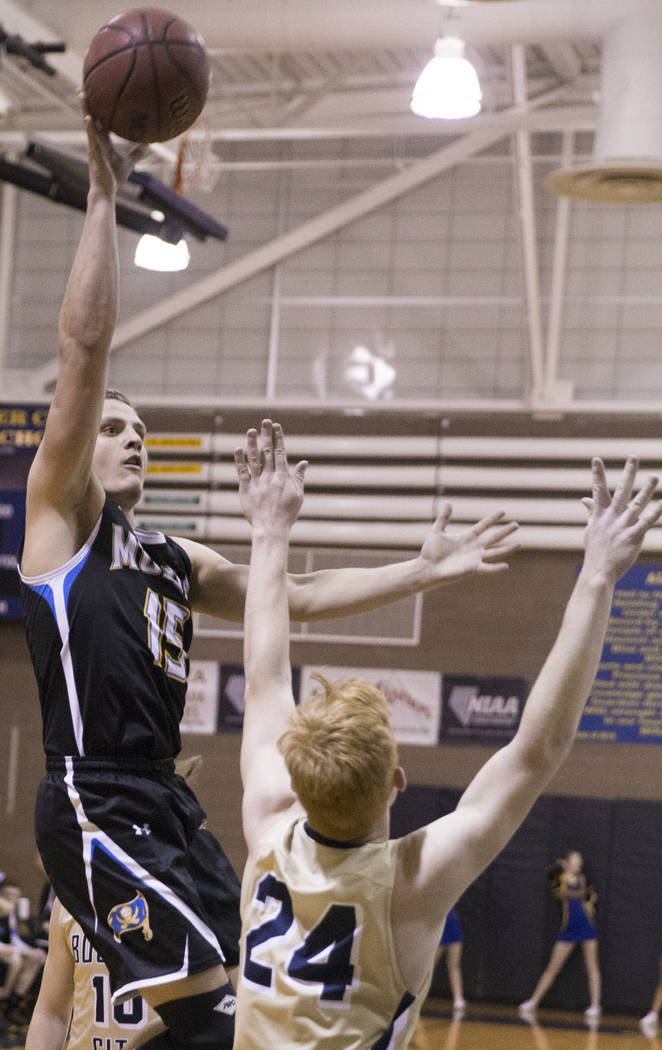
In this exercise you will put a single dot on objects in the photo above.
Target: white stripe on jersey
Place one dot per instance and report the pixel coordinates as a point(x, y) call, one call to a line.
point(55, 582)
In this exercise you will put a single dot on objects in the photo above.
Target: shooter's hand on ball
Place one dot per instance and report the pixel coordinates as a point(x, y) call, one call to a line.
point(109, 167)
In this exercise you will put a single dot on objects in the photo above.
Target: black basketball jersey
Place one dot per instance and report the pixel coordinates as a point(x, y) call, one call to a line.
point(109, 634)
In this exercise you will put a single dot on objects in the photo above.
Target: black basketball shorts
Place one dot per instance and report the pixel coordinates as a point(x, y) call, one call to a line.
point(129, 856)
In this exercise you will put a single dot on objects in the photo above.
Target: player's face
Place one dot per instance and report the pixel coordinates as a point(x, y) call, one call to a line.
point(120, 458)
point(574, 862)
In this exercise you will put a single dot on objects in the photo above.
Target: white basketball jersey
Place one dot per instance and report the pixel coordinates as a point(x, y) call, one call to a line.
point(317, 963)
point(95, 1023)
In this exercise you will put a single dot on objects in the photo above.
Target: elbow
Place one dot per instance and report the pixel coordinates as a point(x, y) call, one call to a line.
point(544, 757)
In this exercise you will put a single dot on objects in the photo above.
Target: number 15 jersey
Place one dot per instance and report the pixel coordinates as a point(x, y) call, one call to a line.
point(318, 964)
point(109, 634)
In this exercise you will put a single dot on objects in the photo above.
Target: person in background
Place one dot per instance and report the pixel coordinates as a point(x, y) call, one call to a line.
point(450, 946)
point(569, 886)
point(23, 961)
point(648, 1024)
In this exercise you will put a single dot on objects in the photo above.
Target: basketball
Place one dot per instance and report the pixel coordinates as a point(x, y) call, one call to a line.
point(146, 75)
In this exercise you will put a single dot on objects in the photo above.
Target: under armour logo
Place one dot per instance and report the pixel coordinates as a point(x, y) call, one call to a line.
point(144, 830)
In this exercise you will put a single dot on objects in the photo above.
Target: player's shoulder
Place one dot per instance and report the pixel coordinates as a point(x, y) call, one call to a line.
point(199, 554)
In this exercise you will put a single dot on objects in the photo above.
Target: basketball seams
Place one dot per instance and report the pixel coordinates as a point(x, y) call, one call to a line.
point(156, 83)
point(167, 44)
point(184, 72)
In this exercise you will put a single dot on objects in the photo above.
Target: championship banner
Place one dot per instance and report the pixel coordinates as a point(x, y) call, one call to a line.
point(626, 701)
point(21, 431)
point(413, 697)
point(481, 709)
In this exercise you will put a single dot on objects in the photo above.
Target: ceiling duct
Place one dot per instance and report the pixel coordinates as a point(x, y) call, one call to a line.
point(626, 167)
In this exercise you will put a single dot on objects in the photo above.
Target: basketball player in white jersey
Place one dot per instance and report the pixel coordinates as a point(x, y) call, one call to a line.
point(73, 1007)
point(339, 924)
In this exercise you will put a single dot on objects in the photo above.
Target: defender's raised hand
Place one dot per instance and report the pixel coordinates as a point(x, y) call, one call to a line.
point(480, 548)
point(618, 524)
point(271, 493)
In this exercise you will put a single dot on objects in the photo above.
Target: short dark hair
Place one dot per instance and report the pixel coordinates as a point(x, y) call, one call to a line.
point(117, 395)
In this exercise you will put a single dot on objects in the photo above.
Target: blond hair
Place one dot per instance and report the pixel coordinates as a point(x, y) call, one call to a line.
point(340, 753)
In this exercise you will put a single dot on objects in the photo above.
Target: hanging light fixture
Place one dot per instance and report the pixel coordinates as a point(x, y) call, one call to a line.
point(154, 254)
point(151, 252)
point(448, 88)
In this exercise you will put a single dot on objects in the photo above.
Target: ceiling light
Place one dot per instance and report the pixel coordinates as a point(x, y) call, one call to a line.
point(154, 254)
point(448, 88)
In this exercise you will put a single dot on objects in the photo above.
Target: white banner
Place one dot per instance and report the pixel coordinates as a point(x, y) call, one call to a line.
point(414, 697)
point(201, 708)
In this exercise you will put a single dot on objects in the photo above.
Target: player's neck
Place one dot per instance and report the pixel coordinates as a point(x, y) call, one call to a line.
point(380, 830)
point(126, 506)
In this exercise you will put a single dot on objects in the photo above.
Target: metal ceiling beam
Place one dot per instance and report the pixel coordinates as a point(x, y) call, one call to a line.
point(16, 19)
point(527, 225)
point(8, 207)
point(304, 24)
point(308, 233)
point(561, 117)
point(553, 386)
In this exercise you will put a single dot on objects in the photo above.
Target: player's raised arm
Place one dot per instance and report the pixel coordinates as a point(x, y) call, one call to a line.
point(446, 856)
point(446, 556)
point(271, 496)
point(61, 481)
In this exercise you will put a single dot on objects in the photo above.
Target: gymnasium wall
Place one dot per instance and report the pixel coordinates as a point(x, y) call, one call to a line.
point(607, 799)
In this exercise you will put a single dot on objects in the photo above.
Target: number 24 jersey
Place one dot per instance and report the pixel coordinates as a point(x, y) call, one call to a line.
point(318, 965)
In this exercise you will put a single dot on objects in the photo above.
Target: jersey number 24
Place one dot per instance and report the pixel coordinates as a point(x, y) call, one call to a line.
point(325, 956)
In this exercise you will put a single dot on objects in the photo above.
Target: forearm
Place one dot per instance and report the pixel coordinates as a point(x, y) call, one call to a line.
point(266, 625)
point(46, 1032)
point(503, 791)
point(331, 593)
point(553, 710)
point(89, 307)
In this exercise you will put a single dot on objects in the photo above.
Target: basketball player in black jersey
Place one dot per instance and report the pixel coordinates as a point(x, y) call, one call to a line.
point(108, 618)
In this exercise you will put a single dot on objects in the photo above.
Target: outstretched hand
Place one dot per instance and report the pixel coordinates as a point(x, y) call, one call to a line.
point(109, 167)
point(617, 524)
point(270, 492)
point(480, 548)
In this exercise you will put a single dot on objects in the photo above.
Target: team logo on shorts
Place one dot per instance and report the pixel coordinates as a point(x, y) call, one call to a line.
point(134, 915)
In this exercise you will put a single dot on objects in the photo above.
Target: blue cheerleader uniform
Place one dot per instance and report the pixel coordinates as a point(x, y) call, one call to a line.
point(577, 901)
point(452, 932)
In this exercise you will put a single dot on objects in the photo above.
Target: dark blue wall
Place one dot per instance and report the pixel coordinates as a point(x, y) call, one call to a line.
point(510, 919)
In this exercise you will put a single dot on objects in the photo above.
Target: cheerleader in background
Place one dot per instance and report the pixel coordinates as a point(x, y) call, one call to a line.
point(648, 1024)
point(577, 927)
point(450, 945)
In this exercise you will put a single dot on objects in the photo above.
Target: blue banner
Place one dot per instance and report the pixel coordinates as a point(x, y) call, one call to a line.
point(626, 701)
point(21, 430)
